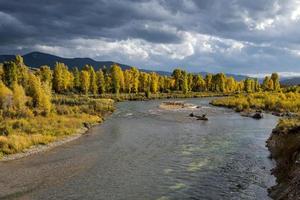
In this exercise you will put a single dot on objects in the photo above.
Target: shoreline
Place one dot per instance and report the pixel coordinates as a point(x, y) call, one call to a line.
point(283, 145)
point(35, 149)
point(42, 148)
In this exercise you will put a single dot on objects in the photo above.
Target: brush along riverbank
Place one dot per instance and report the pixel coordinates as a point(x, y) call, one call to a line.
point(284, 142)
point(71, 117)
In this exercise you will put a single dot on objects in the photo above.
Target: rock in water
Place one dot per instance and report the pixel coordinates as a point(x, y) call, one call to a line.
point(257, 115)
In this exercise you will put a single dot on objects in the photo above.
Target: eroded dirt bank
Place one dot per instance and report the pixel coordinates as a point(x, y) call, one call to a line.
point(284, 145)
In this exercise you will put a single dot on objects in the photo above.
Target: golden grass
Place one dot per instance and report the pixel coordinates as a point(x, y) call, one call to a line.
point(18, 134)
point(279, 102)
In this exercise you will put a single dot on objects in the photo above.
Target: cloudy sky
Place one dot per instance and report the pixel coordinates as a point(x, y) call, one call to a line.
point(233, 36)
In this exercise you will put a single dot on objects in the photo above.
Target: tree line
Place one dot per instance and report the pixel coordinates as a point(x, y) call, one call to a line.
point(22, 87)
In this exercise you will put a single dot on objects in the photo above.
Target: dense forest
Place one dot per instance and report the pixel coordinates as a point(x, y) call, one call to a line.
point(40, 105)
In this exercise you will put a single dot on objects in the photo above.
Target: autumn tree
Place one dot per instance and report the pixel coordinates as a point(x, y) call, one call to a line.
point(128, 81)
point(76, 75)
point(143, 82)
point(268, 83)
point(6, 97)
point(40, 94)
point(199, 83)
point(275, 79)
point(265, 84)
point(177, 75)
point(135, 79)
point(218, 82)
point(93, 88)
point(10, 71)
point(100, 81)
point(161, 83)
point(154, 82)
point(185, 86)
point(45, 74)
point(248, 85)
point(62, 78)
point(85, 81)
point(19, 97)
point(208, 82)
point(256, 85)
point(108, 83)
point(190, 81)
point(230, 84)
point(117, 78)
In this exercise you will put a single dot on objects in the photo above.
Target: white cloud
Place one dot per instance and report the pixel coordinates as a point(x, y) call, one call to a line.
point(281, 74)
point(295, 14)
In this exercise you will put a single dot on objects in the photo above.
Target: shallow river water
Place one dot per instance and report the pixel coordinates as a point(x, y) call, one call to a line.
point(142, 152)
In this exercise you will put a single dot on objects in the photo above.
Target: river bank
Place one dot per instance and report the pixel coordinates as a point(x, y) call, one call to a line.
point(71, 117)
point(284, 141)
point(284, 144)
point(151, 96)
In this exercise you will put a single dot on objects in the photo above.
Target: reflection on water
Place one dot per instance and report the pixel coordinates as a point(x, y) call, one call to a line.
point(142, 152)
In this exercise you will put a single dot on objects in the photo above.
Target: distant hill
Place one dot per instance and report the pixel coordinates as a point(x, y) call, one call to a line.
point(37, 59)
point(291, 81)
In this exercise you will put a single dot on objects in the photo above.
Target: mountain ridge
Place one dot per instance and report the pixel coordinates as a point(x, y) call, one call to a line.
point(36, 59)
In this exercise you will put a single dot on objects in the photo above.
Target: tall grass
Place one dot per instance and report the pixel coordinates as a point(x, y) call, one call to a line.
point(278, 102)
point(69, 114)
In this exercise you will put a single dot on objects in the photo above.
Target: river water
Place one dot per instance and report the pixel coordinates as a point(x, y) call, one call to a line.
point(142, 152)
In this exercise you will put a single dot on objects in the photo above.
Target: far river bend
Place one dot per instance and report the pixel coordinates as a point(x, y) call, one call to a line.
point(142, 152)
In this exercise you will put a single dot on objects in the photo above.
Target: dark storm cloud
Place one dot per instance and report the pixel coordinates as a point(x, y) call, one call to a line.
point(211, 34)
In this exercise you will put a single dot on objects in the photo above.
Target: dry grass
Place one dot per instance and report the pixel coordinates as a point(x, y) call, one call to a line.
point(279, 102)
point(18, 134)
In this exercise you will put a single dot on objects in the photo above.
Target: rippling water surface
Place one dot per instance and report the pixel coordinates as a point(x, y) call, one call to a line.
point(142, 152)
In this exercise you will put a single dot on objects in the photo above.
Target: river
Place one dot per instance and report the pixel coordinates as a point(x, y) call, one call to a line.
point(142, 152)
